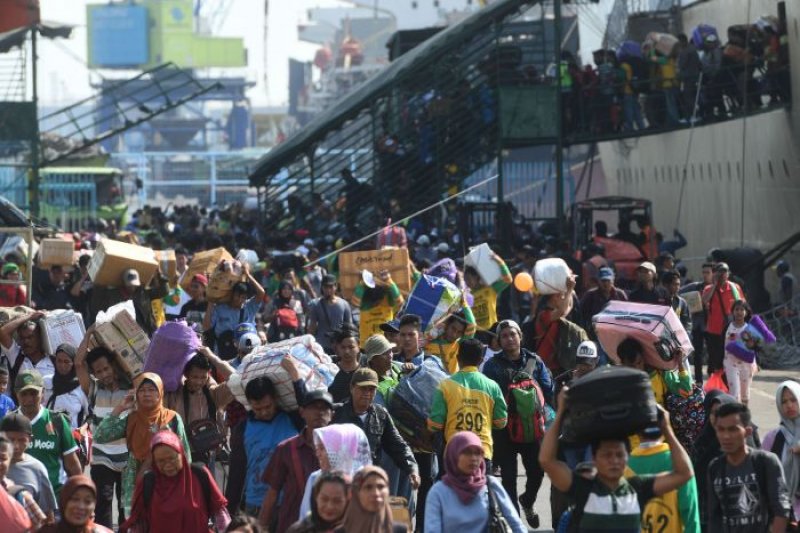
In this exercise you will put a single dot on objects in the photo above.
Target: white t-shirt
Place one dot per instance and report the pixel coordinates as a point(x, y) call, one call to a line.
point(73, 403)
point(45, 366)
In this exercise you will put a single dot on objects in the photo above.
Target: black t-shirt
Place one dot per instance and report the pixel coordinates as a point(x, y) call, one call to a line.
point(744, 498)
point(340, 388)
point(193, 311)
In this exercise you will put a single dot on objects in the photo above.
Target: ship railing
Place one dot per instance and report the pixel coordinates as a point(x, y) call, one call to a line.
point(784, 321)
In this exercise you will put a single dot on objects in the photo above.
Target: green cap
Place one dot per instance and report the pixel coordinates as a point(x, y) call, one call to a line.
point(28, 379)
point(10, 268)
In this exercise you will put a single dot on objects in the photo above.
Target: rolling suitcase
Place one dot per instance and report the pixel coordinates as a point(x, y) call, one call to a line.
point(609, 402)
point(657, 327)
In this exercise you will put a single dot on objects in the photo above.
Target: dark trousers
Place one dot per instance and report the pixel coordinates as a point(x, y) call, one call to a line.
point(425, 465)
point(505, 455)
point(699, 344)
point(715, 345)
point(108, 483)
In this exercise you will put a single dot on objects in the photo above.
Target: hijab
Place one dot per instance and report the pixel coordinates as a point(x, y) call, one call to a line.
point(359, 520)
point(179, 497)
point(143, 423)
point(466, 486)
point(67, 491)
point(790, 427)
point(314, 522)
point(347, 447)
point(280, 301)
point(707, 445)
point(65, 383)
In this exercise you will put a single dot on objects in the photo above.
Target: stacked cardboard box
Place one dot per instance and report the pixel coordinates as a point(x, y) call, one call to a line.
point(112, 258)
point(124, 336)
point(56, 252)
point(205, 263)
point(59, 327)
point(169, 265)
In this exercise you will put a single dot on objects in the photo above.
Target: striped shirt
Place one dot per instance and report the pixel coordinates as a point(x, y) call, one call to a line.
point(617, 510)
point(113, 455)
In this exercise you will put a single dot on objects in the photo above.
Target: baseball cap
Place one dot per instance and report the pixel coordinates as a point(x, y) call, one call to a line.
point(587, 350)
point(28, 379)
point(503, 324)
point(248, 341)
point(423, 240)
point(721, 267)
point(442, 248)
point(201, 279)
point(605, 273)
point(377, 345)
point(328, 279)
point(364, 377)
point(131, 278)
point(244, 327)
point(10, 268)
point(318, 395)
point(647, 265)
point(392, 326)
point(16, 422)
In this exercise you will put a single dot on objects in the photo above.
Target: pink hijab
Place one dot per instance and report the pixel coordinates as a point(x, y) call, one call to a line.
point(466, 486)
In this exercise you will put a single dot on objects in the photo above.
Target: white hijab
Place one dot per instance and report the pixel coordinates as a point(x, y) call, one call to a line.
point(791, 431)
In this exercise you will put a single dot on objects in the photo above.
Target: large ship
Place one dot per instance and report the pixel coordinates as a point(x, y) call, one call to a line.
point(742, 177)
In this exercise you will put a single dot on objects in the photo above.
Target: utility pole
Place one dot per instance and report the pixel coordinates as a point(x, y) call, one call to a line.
point(33, 184)
point(559, 117)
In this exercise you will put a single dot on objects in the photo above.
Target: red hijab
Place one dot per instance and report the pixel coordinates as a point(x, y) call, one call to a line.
point(466, 486)
point(179, 497)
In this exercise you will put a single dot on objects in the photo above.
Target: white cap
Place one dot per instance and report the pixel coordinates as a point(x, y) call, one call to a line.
point(423, 240)
point(443, 248)
point(248, 341)
point(586, 350)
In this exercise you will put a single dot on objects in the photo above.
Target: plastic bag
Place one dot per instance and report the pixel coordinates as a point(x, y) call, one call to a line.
point(716, 382)
point(172, 346)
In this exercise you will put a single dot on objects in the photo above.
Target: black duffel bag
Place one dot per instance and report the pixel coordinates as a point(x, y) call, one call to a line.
point(609, 402)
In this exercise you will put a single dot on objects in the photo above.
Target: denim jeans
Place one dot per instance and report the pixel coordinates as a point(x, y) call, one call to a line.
point(632, 112)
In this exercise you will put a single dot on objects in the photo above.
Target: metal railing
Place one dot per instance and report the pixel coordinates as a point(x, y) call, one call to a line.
point(205, 178)
point(784, 321)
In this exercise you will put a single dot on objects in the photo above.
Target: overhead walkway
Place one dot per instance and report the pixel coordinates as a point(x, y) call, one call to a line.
point(450, 110)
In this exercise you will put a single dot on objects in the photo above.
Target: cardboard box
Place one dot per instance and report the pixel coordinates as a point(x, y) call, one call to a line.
point(128, 237)
point(168, 264)
point(352, 263)
point(124, 336)
point(220, 286)
point(112, 258)
point(59, 327)
point(205, 263)
point(56, 252)
point(480, 258)
point(695, 301)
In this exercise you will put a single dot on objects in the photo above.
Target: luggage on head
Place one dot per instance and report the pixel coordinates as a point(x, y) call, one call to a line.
point(656, 327)
point(610, 402)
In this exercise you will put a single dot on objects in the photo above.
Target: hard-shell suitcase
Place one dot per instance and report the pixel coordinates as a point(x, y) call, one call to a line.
point(611, 401)
point(657, 327)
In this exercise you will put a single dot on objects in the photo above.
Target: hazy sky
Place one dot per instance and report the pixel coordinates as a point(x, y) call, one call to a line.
point(65, 78)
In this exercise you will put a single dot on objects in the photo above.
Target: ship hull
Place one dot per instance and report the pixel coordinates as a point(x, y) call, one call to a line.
point(742, 177)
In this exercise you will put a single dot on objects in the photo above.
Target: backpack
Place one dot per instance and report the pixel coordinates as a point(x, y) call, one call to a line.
point(199, 470)
point(286, 318)
point(82, 436)
point(526, 406)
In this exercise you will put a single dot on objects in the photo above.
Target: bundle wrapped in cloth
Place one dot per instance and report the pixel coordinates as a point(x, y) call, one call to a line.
point(172, 346)
point(313, 364)
point(751, 339)
point(410, 405)
point(432, 299)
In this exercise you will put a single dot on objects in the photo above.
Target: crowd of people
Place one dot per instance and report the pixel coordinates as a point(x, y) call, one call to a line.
point(669, 82)
point(84, 446)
